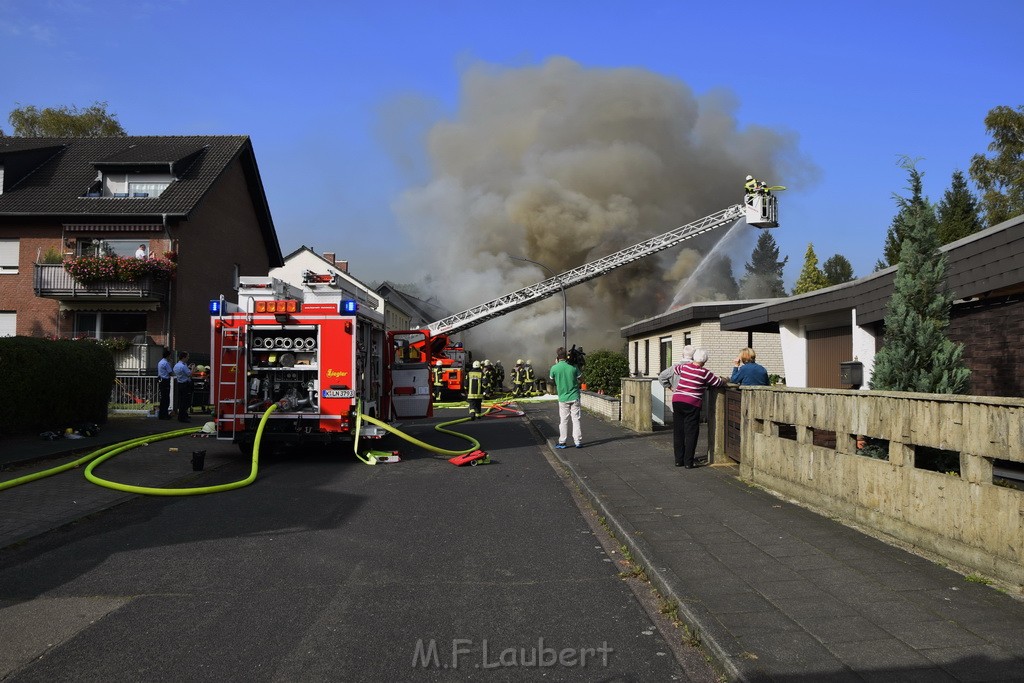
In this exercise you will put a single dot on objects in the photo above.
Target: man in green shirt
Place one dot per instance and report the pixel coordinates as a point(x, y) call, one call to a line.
point(567, 381)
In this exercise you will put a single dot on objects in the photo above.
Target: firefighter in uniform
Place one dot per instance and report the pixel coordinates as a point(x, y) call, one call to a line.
point(436, 374)
point(518, 374)
point(499, 377)
point(488, 371)
point(529, 379)
point(475, 390)
point(750, 188)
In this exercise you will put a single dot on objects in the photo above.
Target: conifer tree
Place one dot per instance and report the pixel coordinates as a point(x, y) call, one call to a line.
point(917, 354)
point(917, 203)
point(837, 270)
point(811, 277)
point(957, 212)
point(763, 277)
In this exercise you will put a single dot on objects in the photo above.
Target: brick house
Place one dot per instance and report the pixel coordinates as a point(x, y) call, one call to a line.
point(194, 204)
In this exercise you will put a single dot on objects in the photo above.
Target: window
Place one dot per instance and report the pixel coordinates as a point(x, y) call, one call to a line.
point(8, 323)
point(110, 325)
point(147, 189)
point(101, 247)
point(9, 256)
point(687, 340)
point(666, 353)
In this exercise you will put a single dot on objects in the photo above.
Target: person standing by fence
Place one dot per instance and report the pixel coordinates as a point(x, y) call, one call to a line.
point(687, 400)
point(163, 372)
point(183, 387)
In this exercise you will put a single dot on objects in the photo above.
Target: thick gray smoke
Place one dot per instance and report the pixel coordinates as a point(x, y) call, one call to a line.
point(563, 164)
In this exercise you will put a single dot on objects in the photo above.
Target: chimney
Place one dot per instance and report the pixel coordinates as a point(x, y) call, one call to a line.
point(329, 257)
point(341, 265)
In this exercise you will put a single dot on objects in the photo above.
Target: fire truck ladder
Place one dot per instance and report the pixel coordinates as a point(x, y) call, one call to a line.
point(541, 290)
point(232, 342)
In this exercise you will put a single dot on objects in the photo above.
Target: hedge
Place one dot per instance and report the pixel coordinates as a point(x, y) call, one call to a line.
point(52, 385)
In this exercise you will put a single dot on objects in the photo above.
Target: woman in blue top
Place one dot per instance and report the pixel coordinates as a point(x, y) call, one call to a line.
point(747, 372)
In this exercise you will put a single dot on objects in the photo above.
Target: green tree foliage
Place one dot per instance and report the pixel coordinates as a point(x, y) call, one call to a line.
point(763, 277)
point(1001, 177)
point(957, 212)
point(917, 204)
point(917, 354)
point(837, 270)
point(811, 277)
point(604, 370)
point(65, 122)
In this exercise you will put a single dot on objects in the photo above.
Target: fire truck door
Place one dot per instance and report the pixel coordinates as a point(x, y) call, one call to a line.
point(410, 374)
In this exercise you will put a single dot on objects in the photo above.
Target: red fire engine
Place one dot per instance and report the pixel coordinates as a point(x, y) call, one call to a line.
point(315, 350)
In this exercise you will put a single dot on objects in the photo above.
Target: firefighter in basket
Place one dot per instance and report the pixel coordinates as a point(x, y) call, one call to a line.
point(475, 390)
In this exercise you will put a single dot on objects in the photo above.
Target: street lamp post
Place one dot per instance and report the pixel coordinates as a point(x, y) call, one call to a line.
point(565, 343)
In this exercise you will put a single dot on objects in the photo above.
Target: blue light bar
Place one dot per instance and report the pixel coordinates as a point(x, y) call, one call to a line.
point(214, 306)
point(349, 306)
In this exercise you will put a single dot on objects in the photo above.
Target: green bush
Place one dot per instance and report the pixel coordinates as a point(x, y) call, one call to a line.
point(604, 371)
point(52, 384)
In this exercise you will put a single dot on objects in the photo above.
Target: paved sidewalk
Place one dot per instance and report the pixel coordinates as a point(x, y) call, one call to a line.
point(776, 592)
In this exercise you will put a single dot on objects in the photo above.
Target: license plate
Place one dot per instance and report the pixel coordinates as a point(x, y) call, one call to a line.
point(339, 393)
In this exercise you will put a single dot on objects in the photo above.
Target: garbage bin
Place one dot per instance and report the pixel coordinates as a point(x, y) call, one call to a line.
point(198, 460)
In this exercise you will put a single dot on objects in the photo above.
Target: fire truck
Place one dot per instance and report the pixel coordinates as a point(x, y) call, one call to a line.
point(316, 350)
point(321, 353)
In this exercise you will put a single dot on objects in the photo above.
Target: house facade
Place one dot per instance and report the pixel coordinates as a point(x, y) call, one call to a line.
point(826, 333)
point(127, 239)
point(655, 343)
point(304, 260)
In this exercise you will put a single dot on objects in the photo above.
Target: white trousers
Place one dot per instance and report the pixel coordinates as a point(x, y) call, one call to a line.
point(566, 411)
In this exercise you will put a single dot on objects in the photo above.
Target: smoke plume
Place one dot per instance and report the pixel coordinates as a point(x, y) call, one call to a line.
point(563, 164)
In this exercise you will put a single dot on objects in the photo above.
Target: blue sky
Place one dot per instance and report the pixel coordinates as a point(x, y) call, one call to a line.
point(337, 96)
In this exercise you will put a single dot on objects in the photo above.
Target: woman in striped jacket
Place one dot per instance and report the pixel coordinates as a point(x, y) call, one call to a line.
point(687, 399)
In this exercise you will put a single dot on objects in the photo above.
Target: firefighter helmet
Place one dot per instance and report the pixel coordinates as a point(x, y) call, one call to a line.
point(750, 177)
point(438, 363)
point(519, 361)
point(529, 362)
point(476, 364)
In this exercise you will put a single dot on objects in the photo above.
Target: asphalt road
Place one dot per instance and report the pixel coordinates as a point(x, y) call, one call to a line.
point(327, 569)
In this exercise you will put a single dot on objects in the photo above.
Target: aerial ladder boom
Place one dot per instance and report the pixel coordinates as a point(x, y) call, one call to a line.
point(760, 211)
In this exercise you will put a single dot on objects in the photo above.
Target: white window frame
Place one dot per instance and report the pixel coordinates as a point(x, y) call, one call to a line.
point(9, 251)
point(8, 323)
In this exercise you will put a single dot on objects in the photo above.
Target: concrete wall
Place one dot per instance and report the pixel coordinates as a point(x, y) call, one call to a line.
point(636, 404)
point(600, 404)
point(965, 518)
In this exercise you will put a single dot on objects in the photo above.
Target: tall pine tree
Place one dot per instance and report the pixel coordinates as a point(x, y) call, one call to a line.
point(837, 270)
point(917, 354)
point(957, 212)
point(811, 277)
point(916, 204)
point(764, 272)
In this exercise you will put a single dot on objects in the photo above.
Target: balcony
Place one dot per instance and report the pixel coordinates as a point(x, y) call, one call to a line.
point(51, 281)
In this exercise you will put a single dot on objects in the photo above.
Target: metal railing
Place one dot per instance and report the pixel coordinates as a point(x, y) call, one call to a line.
point(134, 394)
point(52, 281)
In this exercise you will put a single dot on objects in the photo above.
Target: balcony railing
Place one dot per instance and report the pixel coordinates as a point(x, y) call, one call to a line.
point(53, 282)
